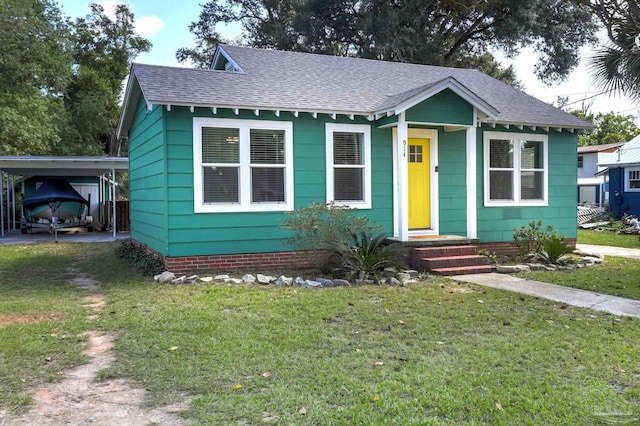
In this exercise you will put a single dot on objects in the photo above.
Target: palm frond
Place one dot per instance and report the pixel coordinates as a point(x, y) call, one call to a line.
point(617, 70)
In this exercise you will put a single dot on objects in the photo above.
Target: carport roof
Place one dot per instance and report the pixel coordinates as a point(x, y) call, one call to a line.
point(61, 166)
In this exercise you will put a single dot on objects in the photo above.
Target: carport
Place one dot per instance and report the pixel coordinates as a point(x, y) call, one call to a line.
point(13, 168)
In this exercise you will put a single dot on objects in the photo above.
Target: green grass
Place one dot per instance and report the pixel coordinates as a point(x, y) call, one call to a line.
point(448, 352)
point(35, 287)
point(617, 276)
point(608, 238)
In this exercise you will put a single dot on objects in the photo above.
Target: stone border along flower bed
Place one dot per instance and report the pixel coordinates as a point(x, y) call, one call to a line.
point(391, 277)
point(565, 264)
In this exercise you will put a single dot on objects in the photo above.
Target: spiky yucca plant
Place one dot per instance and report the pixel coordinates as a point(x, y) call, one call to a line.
point(368, 256)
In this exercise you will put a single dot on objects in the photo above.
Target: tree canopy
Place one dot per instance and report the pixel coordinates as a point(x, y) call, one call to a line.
point(616, 66)
point(61, 80)
point(609, 128)
point(436, 32)
point(35, 60)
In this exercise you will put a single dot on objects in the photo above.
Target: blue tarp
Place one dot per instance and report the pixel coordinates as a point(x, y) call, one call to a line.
point(53, 190)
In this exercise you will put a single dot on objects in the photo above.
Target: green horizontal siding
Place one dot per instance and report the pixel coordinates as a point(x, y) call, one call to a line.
point(497, 223)
point(452, 179)
point(445, 107)
point(147, 178)
point(252, 232)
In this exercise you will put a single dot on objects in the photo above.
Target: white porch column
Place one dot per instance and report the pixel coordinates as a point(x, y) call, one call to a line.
point(13, 202)
point(1, 204)
point(113, 200)
point(403, 179)
point(472, 220)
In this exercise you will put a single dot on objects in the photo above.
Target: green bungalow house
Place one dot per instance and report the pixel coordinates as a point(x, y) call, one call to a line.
point(218, 155)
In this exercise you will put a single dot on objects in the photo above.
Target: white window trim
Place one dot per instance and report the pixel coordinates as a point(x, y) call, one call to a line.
point(245, 204)
point(330, 128)
point(515, 138)
point(627, 187)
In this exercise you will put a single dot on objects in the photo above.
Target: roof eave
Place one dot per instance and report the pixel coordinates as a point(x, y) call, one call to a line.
point(446, 83)
point(128, 107)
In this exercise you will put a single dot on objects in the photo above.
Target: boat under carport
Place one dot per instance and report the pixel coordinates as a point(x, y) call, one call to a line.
point(13, 168)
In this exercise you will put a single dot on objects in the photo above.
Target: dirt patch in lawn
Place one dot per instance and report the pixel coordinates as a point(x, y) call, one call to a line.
point(80, 399)
point(28, 318)
point(96, 302)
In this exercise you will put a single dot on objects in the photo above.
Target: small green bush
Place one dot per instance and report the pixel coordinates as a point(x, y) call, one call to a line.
point(368, 256)
point(324, 226)
point(554, 248)
point(137, 254)
point(528, 239)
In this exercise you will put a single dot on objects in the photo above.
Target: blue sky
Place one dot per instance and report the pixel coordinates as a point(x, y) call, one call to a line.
point(166, 25)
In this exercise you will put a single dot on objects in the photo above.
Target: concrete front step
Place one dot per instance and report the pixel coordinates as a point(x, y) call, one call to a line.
point(430, 252)
point(431, 263)
point(463, 270)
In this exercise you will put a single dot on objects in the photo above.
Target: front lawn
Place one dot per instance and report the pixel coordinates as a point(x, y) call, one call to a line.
point(608, 238)
point(41, 317)
point(435, 352)
point(617, 276)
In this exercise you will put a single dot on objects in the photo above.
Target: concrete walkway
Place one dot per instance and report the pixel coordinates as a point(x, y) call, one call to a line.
point(609, 251)
point(68, 235)
point(570, 296)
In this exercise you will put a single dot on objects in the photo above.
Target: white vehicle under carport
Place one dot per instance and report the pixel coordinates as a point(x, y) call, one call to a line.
point(54, 205)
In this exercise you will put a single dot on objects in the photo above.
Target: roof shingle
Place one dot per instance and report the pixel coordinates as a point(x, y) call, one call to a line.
point(300, 81)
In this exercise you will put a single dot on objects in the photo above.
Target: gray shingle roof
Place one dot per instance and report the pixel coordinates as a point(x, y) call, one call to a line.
point(306, 82)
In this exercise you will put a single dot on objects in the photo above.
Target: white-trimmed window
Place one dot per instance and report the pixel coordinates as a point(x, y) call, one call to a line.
point(349, 165)
point(516, 169)
point(632, 179)
point(242, 165)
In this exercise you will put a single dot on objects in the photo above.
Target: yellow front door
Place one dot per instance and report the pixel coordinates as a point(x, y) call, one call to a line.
point(419, 185)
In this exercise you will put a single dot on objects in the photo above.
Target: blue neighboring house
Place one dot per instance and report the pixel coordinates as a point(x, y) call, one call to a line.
point(623, 168)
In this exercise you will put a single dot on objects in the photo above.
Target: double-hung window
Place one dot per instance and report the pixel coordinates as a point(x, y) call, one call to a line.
point(632, 179)
point(349, 164)
point(515, 169)
point(242, 165)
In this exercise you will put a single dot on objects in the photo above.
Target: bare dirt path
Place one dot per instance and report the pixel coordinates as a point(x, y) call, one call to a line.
point(81, 400)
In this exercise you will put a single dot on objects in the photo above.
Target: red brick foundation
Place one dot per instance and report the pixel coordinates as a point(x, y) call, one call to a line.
point(245, 262)
point(506, 248)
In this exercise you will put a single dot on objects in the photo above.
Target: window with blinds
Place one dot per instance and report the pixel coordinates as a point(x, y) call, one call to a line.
point(267, 166)
point(348, 183)
point(349, 164)
point(242, 165)
point(221, 165)
point(515, 169)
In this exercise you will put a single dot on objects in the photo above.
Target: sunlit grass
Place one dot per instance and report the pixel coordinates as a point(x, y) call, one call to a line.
point(608, 238)
point(434, 352)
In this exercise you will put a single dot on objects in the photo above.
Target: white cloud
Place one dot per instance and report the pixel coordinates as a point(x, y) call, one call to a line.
point(149, 25)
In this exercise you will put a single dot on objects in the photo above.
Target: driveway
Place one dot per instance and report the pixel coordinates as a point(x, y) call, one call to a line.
point(68, 235)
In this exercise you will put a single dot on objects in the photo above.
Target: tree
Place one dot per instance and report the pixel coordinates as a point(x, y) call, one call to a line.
point(616, 66)
point(609, 128)
point(35, 65)
point(61, 81)
point(437, 32)
point(103, 51)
